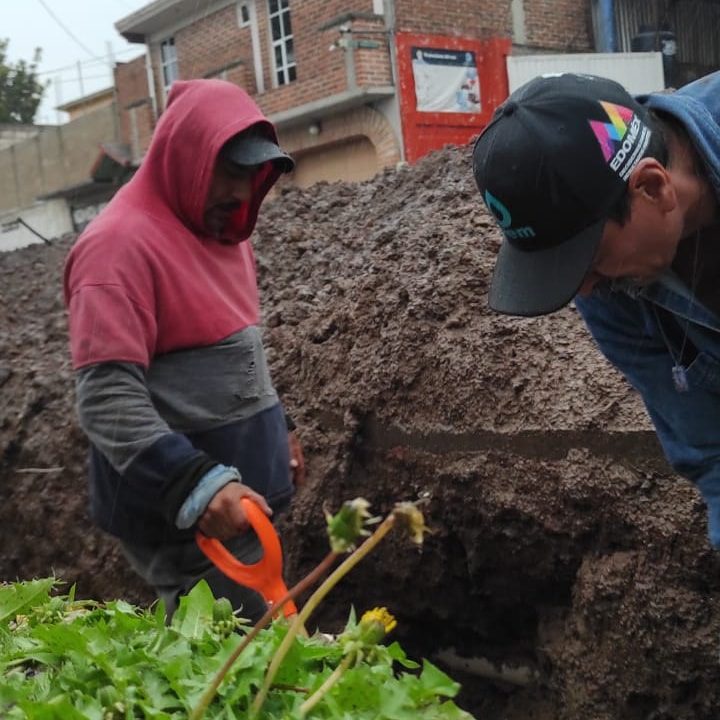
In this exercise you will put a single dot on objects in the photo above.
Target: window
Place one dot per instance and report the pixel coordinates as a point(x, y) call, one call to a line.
point(169, 63)
point(283, 53)
point(244, 14)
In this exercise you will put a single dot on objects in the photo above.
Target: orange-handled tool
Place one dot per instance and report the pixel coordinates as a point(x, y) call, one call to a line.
point(265, 576)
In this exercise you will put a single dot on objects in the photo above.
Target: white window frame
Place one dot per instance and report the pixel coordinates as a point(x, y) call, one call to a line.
point(281, 74)
point(246, 7)
point(169, 67)
point(252, 23)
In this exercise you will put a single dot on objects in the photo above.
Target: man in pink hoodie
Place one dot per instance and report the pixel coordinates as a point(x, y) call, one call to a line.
point(173, 388)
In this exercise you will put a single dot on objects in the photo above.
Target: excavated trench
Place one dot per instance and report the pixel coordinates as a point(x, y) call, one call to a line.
point(568, 575)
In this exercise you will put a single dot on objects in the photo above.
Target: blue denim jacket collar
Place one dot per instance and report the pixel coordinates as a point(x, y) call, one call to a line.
point(672, 294)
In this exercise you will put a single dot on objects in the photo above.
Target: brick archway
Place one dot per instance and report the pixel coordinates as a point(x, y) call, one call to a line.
point(360, 122)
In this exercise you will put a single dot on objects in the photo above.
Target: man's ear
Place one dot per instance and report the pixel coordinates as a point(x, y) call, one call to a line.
point(650, 182)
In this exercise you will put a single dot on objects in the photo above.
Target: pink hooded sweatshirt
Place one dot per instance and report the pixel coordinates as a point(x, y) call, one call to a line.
point(146, 278)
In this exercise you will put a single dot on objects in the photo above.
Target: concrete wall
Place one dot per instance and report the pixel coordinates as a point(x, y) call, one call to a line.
point(50, 218)
point(11, 134)
point(58, 156)
point(638, 72)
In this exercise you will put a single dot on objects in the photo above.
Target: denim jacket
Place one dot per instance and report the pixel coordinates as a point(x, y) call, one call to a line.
point(665, 342)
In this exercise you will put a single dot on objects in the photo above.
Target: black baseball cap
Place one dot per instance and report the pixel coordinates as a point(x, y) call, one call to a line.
point(254, 147)
point(550, 166)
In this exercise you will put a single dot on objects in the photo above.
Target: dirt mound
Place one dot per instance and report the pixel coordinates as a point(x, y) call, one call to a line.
point(569, 575)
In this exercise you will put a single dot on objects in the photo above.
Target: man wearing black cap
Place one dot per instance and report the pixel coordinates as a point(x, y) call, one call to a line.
point(173, 388)
point(615, 200)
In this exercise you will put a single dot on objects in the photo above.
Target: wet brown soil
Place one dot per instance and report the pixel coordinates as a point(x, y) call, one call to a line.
point(568, 575)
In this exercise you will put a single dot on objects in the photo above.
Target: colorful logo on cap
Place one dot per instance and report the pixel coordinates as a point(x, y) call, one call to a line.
point(610, 135)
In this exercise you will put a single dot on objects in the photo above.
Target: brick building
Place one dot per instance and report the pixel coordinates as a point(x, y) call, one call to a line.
point(342, 79)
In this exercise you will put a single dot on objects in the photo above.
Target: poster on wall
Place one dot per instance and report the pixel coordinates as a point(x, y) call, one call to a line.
point(445, 80)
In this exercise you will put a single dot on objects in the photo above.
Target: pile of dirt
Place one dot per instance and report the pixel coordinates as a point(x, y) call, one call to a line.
point(568, 575)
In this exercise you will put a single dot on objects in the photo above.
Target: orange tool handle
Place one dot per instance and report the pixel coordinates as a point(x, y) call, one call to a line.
point(265, 576)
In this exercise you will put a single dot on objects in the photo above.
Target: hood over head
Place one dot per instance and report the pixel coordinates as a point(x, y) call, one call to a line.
point(200, 117)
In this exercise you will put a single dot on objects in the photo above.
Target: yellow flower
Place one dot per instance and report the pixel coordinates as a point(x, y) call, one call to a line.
point(381, 617)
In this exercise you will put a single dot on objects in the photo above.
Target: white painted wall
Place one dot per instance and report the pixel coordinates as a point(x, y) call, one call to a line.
point(83, 215)
point(51, 218)
point(638, 73)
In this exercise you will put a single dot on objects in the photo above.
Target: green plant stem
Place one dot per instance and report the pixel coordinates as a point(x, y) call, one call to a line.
point(325, 688)
point(310, 579)
point(315, 599)
point(291, 688)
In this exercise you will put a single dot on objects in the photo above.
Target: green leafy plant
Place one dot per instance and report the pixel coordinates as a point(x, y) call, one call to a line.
point(68, 659)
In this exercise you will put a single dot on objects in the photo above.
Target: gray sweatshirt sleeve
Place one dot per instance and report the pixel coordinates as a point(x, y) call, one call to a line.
point(118, 416)
point(117, 413)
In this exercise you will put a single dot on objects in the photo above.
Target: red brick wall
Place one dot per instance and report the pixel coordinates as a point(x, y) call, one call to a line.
point(132, 91)
point(464, 18)
point(209, 45)
point(561, 25)
point(320, 71)
point(372, 65)
point(217, 40)
point(558, 25)
point(131, 81)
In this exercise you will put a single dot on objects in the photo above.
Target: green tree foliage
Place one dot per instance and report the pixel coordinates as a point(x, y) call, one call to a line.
point(20, 89)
